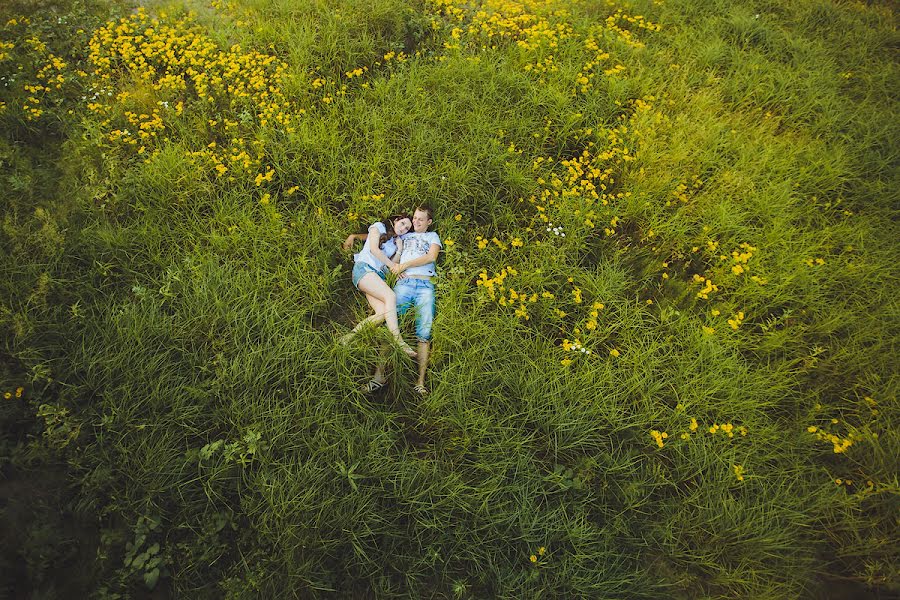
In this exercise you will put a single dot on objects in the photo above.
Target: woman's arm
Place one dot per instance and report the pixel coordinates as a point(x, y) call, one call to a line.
point(399, 252)
point(351, 239)
point(373, 240)
point(430, 257)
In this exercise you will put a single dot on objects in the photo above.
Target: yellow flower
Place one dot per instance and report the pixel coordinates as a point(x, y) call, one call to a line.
point(694, 424)
point(533, 558)
point(448, 242)
point(566, 362)
point(541, 551)
point(19, 391)
point(267, 177)
point(7, 395)
point(614, 352)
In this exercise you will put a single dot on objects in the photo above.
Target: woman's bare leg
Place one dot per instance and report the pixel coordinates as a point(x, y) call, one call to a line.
point(379, 308)
point(384, 302)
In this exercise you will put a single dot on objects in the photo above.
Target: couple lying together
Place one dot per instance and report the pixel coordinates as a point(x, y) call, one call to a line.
point(403, 245)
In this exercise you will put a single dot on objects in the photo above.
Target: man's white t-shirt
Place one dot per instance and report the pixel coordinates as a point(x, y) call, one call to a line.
point(416, 245)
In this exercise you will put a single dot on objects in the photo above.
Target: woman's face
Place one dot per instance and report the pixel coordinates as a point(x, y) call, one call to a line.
point(402, 226)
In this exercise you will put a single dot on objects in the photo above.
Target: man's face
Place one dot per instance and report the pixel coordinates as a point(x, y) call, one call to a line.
point(421, 221)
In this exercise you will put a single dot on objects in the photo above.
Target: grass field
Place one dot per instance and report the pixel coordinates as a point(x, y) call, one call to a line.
point(665, 356)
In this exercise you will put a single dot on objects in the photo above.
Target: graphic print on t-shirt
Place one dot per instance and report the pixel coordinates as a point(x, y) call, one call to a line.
point(416, 245)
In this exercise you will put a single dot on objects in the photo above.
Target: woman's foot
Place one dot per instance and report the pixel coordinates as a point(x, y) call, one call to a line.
point(373, 385)
point(407, 349)
point(345, 339)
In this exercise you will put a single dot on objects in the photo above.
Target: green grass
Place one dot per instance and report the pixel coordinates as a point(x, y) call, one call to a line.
point(181, 326)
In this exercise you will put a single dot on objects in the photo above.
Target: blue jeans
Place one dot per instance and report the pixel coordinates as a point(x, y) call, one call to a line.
point(418, 293)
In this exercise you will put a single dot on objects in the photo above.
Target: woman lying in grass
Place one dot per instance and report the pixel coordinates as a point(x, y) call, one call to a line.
point(383, 243)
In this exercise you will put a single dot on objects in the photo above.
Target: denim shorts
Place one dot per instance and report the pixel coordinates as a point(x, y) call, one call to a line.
point(360, 269)
point(419, 293)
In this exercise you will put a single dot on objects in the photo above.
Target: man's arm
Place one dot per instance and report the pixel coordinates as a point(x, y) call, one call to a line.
point(430, 257)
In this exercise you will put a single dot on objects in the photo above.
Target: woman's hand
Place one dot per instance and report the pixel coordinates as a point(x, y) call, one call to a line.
point(397, 268)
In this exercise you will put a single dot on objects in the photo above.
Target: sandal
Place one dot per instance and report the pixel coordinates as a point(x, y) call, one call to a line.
point(420, 389)
point(373, 386)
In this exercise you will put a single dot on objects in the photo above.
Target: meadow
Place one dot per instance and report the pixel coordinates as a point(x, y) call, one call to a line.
point(665, 355)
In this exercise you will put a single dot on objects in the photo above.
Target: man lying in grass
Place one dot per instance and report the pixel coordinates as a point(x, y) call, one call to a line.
point(414, 287)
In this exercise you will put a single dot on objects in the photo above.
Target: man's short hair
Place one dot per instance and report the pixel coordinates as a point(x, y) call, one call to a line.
point(425, 208)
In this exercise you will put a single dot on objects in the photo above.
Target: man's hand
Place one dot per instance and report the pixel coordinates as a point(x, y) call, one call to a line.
point(348, 243)
point(397, 269)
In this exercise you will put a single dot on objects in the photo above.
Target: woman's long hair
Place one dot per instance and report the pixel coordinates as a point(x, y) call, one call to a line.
point(389, 226)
